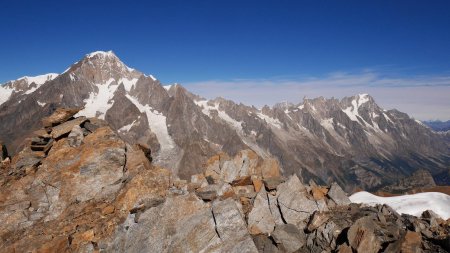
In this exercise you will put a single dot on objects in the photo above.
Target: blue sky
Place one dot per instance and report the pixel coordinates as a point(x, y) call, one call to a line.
point(232, 48)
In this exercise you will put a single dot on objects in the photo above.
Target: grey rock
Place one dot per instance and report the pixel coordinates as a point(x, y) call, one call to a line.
point(260, 219)
point(76, 136)
point(338, 195)
point(231, 227)
point(289, 237)
point(294, 204)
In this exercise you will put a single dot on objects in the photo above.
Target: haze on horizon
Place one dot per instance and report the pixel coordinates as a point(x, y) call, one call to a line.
point(255, 52)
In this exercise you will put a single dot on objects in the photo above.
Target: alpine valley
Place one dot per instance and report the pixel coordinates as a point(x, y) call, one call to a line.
point(351, 141)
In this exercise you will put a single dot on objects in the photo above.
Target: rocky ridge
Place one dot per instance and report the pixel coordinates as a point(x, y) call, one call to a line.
point(351, 141)
point(78, 187)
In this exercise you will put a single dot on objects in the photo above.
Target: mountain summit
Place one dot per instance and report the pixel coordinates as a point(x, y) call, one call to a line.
point(352, 141)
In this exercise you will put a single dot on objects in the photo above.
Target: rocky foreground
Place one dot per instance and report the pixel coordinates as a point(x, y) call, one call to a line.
point(78, 187)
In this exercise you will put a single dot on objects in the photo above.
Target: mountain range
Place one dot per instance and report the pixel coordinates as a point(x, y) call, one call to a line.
point(351, 141)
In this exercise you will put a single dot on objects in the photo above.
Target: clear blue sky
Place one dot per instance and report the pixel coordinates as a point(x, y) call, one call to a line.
point(192, 42)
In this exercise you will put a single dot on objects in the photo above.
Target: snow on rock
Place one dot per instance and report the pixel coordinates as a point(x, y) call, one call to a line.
point(41, 104)
point(269, 120)
point(157, 124)
point(39, 80)
point(127, 128)
point(5, 93)
point(167, 87)
point(98, 103)
point(128, 83)
point(100, 53)
point(352, 111)
point(413, 204)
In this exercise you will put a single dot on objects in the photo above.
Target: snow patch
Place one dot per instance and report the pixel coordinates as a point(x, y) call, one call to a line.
point(100, 53)
point(167, 87)
point(39, 80)
point(270, 120)
point(127, 128)
point(99, 103)
point(157, 124)
point(5, 94)
point(128, 83)
point(413, 204)
point(41, 104)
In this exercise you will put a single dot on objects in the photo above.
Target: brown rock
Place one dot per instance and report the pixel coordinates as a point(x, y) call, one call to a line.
point(246, 180)
point(257, 184)
point(319, 192)
point(66, 127)
point(412, 242)
point(108, 210)
point(59, 116)
point(244, 191)
point(270, 168)
point(361, 236)
point(317, 219)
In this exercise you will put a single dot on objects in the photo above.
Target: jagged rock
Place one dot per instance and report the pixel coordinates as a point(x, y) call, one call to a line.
point(273, 182)
point(319, 192)
point(257, 184)
point(76, 136)
point(412, 242)
point(247, 191)
point(317, 219)
point(231, 227)
point(264, 244)
point(275, 209)
point(199, 179)
point(246, 180)
point(66, 127)
point(289, 237)
point(59, 116)
point(208, 192)
point(294, 204)
point(260, 218)
point(270, 168)
point(362, 237)
point(338, 195)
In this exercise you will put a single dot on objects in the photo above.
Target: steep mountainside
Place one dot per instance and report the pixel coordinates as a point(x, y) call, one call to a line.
point(352, 141)
point(76, 186)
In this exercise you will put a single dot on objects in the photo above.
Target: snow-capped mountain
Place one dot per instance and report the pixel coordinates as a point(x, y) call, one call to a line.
point(352, 141)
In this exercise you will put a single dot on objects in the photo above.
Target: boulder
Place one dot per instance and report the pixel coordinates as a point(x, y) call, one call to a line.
point(260, 220)
point(289, 238)
point(231, 227)
point(294, 203)
point(75, 136)
point(66, 127)
point(338, 195)
point(270, 168)
point(59, 116)
point(264, 244)
point(208, 192)
point(273, 182)
point(362, 237)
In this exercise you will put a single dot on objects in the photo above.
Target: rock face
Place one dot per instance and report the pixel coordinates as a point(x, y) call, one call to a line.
point(351, 141)
point(102, 194)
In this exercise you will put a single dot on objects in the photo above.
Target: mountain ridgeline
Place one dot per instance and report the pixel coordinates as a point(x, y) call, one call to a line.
point(351, 141)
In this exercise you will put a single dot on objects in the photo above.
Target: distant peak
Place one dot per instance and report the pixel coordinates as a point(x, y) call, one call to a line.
point(101, 54)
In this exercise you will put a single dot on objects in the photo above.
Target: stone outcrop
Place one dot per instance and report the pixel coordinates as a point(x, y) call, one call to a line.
point(91, 191)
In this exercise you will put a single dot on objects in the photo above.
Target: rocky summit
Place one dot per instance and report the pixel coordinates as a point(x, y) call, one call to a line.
point(352, 141)
point(77, 186)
